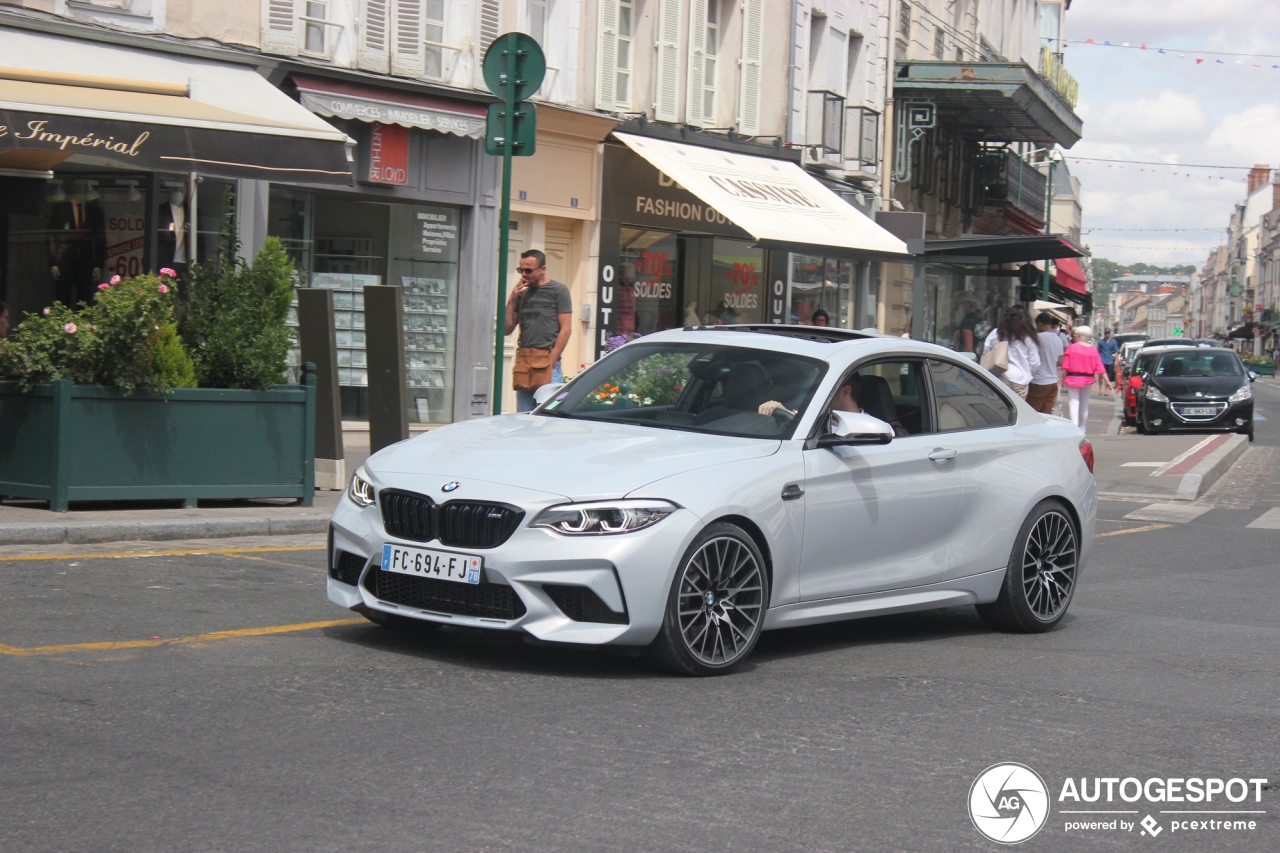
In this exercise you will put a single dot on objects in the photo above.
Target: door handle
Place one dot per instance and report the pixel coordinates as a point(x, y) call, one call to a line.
point(792, 491)
point(942, 454)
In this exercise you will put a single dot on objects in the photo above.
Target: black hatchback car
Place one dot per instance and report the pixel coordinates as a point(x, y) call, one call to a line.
point(1196, 388)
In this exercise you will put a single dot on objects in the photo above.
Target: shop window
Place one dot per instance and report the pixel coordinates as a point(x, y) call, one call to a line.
point(734, 291)
point(965, 400)
point(646, 297)
point(824, 284)
point(347, 245)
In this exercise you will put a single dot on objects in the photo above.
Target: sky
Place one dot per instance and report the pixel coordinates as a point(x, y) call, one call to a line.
point(1141, 105)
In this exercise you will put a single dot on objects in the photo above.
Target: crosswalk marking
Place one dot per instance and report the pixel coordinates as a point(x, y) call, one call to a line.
point(1269, 520)
point(1175, 512)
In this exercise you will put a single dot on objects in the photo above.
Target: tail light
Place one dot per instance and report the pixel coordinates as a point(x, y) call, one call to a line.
point(1086, 450)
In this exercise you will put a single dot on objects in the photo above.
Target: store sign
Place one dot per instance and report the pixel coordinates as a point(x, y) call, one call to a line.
point(382, 112)
point(389, 154)
point(636, 193)
point(439, 234)
point(126, 233)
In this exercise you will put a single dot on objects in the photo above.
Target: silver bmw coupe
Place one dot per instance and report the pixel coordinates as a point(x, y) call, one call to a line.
point(696, 487)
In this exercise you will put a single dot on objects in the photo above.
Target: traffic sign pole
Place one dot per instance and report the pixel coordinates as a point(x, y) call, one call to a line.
point(504, 224)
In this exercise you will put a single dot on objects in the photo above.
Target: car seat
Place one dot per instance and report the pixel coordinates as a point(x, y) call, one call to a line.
point(876, 399)
point(745, 389)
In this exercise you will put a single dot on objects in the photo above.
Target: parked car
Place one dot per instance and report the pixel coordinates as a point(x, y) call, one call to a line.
point(1195, 388)
point(650, 505)
point(1133, 382)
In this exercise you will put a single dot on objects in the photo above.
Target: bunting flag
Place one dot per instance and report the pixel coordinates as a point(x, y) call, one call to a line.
point(1180, 170)
point(1270, 62)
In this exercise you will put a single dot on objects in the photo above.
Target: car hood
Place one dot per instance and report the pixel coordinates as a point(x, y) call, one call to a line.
point(1180, 388)
point(580, 460)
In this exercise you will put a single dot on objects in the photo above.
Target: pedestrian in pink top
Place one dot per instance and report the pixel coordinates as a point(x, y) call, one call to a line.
point(1081, 364)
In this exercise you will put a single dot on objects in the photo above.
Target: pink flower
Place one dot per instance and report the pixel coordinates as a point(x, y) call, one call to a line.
point(46, 312)
point(115, 279)
point(104, 286)
point(164, 288)
point(70, 328)
point(166, 271)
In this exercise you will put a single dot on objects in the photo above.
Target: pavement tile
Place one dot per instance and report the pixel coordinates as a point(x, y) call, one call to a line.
point(1178, 513)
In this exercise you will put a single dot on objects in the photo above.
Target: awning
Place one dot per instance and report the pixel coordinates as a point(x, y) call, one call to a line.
point(990, 101)
point(156, 112)
point(774, 201)
point(1070, 276)
point(999, 249)
point(336, 99)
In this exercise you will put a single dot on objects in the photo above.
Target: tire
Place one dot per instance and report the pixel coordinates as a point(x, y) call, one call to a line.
point(722, 582)
point(1032, 599)
point(399, 624)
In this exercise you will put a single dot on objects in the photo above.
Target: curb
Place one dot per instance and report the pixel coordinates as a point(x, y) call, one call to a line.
point(90, 532)
point(1207, 471)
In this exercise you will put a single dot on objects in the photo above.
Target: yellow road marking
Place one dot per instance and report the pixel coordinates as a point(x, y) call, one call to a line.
point(1132, 530)
point(275, 562)
point(18, 651)
point(4, 559)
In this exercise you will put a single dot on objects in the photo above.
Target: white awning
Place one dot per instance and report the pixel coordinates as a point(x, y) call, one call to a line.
point(774, 201)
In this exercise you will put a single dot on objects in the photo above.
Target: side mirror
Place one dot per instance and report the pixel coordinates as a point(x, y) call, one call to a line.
point(545, 393)
point(854, 428)
point(1252, 376)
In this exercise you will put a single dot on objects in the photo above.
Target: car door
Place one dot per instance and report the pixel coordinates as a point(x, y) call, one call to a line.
point(979, 422)
point(880, 517)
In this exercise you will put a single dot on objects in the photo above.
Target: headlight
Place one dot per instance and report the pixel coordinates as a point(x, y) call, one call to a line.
point(361, 491)
point(1155, 395)
point(1245, 393)
point(604, 517)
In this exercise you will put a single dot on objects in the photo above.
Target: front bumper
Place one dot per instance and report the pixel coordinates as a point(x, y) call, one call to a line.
point(630, 573)
point(1172, 421)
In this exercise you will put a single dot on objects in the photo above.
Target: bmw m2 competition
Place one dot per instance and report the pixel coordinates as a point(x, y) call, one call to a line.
point(697, 487)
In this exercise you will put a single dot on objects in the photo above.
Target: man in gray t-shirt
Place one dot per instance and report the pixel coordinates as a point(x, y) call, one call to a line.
point(542, 309)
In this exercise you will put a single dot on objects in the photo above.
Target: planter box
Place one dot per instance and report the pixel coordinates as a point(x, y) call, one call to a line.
point(65, 442)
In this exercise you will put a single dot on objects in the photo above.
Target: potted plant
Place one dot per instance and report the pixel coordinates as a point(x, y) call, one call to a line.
point(102, 403)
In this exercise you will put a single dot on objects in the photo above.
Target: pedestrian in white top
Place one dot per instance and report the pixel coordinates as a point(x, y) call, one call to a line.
point(1016, 330)
point(1043, 393)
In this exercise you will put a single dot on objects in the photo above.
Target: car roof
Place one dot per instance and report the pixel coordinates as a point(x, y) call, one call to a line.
point(812, 341)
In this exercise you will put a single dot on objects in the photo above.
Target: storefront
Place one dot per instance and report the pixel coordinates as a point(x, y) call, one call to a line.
point(103, 176)
point(422, 215)
point(698, 236)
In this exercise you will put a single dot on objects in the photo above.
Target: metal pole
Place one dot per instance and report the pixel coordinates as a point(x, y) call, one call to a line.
point(1048, 225)
point(504, 226)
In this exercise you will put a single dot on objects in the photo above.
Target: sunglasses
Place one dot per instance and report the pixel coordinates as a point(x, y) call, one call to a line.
point(527, 271)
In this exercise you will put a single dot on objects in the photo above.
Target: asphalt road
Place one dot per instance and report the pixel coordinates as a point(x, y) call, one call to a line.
point(218, 716)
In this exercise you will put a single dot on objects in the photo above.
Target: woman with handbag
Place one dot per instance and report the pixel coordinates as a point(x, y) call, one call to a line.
point(1012, 351)
point(1082, 364)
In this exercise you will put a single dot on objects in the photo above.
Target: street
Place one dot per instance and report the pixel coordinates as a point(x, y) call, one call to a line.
point(217, 701)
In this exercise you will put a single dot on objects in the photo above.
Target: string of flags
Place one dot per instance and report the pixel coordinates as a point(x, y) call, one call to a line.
point(1201, 57)
point(1148, 230)
point(1154, 248)
point(1177, 169)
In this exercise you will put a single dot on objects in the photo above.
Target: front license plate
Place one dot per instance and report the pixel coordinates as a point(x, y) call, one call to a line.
point(1194, 411)
point(429, 563)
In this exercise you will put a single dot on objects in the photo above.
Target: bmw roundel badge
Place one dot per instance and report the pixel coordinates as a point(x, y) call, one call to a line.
point(450, 486)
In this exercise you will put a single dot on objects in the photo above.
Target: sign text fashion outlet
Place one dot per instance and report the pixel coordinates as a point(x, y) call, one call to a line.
point(1008, 804)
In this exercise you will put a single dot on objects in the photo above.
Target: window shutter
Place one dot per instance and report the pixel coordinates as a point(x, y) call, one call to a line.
point(488, 21)
point(752, 53)
point(407, 39)
point(697, 62)
point(373, 55)
point(667, 97)
point(607, 57)
point(280, 27)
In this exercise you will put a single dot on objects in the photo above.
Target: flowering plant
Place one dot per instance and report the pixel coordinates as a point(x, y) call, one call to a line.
point(126, 339)
point(656, 380)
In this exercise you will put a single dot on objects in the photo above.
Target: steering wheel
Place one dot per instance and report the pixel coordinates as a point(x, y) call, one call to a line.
point(783, 413)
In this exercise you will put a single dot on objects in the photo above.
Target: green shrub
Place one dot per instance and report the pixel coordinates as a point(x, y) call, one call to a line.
point(125, 339)
point(234, 323)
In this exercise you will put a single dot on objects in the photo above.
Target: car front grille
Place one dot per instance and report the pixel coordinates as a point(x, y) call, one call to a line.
point(581, 604)
point(407, 515)
point(470, 524)
point(459, 524)
point(482, 600)
point(347, 567)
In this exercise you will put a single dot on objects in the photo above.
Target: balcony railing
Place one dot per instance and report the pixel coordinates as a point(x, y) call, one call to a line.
point(1010, 179)
point(824, 125)
point(1052, 69)
point(862, 137)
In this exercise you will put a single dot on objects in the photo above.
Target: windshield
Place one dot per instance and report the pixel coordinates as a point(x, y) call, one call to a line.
point(710, 389)
point(1198, 364)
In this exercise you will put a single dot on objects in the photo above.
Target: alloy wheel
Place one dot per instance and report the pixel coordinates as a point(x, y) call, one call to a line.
point(1049, 565)
point(720, 601)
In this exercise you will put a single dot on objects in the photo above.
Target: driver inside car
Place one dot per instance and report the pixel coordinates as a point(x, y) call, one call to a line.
point(846, 400)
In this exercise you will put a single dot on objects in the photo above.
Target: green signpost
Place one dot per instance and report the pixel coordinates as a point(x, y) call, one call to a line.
point(514, 67)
